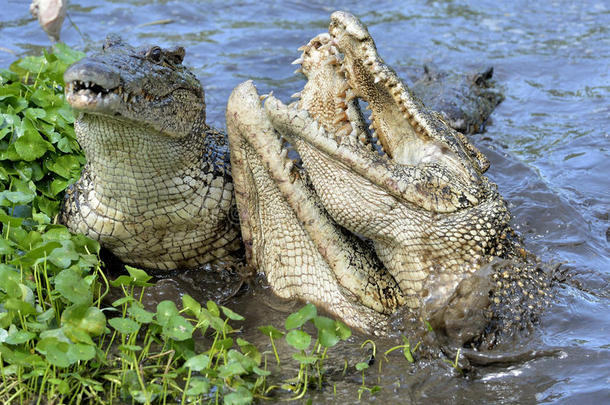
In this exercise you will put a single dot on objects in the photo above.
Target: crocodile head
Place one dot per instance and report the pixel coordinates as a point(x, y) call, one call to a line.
point(464, 100)
point(148, 86)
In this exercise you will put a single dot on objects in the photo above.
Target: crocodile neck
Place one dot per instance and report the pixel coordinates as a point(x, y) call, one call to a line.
point(129, 161)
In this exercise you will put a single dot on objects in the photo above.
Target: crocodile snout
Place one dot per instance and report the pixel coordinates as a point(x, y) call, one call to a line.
point(93, 72)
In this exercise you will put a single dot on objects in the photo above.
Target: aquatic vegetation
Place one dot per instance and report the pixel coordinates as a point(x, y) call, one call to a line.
point(60, 341)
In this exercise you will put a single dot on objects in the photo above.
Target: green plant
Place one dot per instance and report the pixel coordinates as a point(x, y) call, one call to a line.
point(311, 362)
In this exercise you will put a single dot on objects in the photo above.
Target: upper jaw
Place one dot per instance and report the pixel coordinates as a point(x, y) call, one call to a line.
point(409, 132)
point(93, 87)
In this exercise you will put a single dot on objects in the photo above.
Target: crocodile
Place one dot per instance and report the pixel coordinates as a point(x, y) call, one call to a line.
point(161, 191)
point(464, 101)
point(157, 189)
point(395, 214)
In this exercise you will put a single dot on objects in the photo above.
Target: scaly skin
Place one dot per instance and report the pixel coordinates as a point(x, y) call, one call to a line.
point(431, 219)
point(157, 189)
point(440, 199)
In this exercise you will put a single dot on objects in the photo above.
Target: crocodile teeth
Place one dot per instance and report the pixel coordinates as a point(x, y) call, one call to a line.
point(297, 61)
point(264, 96)
point(333, 60)
point(299, 70)
point(296, 95)
point(340, 118)
point(346, 129)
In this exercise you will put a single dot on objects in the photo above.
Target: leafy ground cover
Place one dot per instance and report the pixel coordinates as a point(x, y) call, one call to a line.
point(58, 342)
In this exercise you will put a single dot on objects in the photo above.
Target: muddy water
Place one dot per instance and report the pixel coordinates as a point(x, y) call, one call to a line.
point(549, 147)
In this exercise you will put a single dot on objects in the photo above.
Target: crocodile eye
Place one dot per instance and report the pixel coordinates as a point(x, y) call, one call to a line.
point(154, 54)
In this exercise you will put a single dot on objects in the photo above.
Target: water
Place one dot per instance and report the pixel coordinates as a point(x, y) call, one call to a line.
point(549, 145)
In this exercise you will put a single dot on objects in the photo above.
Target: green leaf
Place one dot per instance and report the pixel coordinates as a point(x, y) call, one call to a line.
point(232, 315)
point(56, 351)
point(248, 349)
point(241, 396)
point(304, 359)
point(298, 339)
point(327, 335)
point(362, 366)
point(31, 146)
point(139, 277)
point(90, 320)
point(71, 285)
point(271, 331)
point(231, 369)
point(198, 363)
point(130, 348)
point(342, 330)
point(66, 54)
point(36, 255)
point(166, 310)
point(191, 305)
point(125, 326)
point(178, 328)
point(81, 351)
point(18, 336)
point(9, 280)
point(198, 386)
point(213, 308)
point(136, 277)
point(298, 319)
point(64, 256)
point(140, 314)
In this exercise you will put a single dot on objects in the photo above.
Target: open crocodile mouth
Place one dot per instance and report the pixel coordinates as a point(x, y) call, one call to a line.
point(401, 128)
point(92, 97)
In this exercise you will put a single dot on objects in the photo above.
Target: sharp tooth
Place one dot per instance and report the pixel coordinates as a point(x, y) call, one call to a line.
point(340, 118)
point(368, 107)
point(296, 95)
point(264, 96)
point(283, 154)
point(299, 70)
point(297, 61)
point(125, 97)
point(345, 130)
point(288, 166)
point(377, 79)
point(371, 127)
point(303, 48)
point(331, 61)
